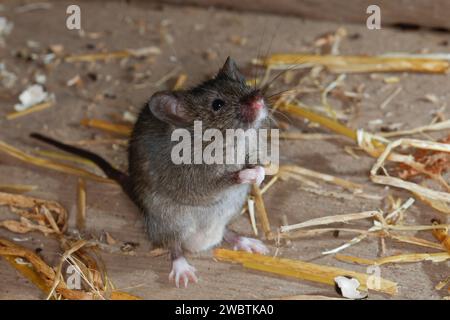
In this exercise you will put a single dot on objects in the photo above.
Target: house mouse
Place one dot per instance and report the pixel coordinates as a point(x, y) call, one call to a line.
point(187, 207)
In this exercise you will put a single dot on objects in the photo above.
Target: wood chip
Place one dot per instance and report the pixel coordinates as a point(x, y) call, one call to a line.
point(442, 236)
point(109, 239)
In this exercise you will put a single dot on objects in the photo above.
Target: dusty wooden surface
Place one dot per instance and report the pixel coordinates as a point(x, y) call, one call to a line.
point(194, 31)
point(412, 12)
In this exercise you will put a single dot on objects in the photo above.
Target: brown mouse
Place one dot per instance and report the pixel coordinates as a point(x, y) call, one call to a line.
point(188, 206)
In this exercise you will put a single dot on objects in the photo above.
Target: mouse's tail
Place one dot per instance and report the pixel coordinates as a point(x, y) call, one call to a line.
point(111, 172)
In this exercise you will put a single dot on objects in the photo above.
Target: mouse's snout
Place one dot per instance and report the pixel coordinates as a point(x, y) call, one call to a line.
point(257, 104)
point(252, 108)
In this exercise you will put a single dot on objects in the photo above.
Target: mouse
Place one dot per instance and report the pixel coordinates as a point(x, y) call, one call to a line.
point(187, 207)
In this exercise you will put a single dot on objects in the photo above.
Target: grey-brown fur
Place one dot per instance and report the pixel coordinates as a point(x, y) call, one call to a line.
point(188, 206)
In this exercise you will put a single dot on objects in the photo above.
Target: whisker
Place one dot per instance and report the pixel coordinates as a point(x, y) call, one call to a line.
point(294, 90)
point(272, 120)
point(286, 117)
point(266, 86)
point(272, 38)
point(255, 75)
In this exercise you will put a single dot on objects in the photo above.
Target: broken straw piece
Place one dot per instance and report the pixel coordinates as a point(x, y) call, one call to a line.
point(34, 108)
point(32, 95)
point(401, 258)
point(139, 53)
point(48, 280)
point(121, 129)
point(302, 270)
point(399, 183)
point(46, 163)
point(261, 211)
point(251, 212)
point(330, 219)
point(355, 64)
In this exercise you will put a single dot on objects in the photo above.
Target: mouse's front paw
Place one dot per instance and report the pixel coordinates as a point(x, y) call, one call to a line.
point(250, 245)
point(182, 271)
point(251, 175)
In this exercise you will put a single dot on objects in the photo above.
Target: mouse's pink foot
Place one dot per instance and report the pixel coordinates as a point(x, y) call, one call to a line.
point(182, 271)
point(250, 245)
point(251, 175)
point(244, 243)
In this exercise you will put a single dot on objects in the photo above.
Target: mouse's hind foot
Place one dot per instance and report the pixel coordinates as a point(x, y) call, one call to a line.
point(182, 272)
point(244, 243)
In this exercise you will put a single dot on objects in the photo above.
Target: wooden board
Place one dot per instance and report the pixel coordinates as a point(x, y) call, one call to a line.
point(415, 12)
point(195, 31)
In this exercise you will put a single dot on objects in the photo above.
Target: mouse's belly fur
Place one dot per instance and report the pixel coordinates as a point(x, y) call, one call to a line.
point(195, 228)
point(209, 232)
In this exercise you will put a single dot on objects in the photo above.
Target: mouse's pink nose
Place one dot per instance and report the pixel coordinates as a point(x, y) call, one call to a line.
point(251, 109)
point(257, 104)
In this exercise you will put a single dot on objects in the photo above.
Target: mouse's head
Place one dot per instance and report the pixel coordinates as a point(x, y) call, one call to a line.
point(224, 102)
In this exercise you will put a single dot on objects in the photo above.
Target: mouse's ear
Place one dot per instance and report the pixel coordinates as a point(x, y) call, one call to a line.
point(167, 107)
point(231, 70)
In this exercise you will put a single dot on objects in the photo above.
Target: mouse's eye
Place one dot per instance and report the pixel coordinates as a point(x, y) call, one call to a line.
point(217, 104)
